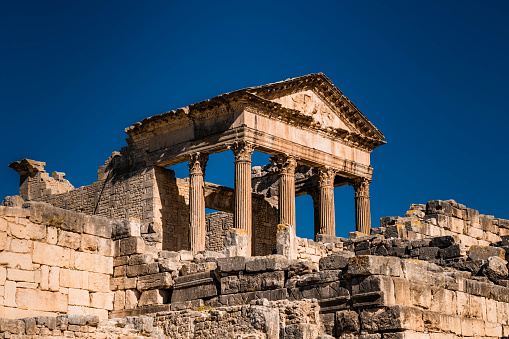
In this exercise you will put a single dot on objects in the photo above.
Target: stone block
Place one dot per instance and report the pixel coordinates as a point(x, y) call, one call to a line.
point(126, 228)
point(336, 261)
point(44, 300)
point(347, 322)
point(393, 318)
point(69, 239)
point(51, 255)
point(153, 297)
point(79, 297)
point(269, 263)
point(3, 240)
point(453, 251)
point(10, 293)
point(131, 298)
point(13, 326)
point(196, 286)
point(74, 279)
point(368, 265)
point(54, 279)
point(140, 270)
point(89, 243)
point(420, 295)
point(236, 243)
point(122, 283)
point(20, 275)
point(98, 226)
point(232, 264)
point(442, 242)
point(140, 259)
point(171, 255)
point(105, 247)
point(128, 246)
point(300, 331)
point(169, 265)
point(192, 268)
point(102, 300)
point(20, 246)
point(285, 241)
point(118, 300)
point(16, 260)
point(484, 252)
point(230, 284)
point(154, 281)
point(98, 282)
point(495, 270)
point(92, 262)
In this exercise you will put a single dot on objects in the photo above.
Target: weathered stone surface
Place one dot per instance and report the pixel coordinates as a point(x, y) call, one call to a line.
point(496, 269)
point(394, 318)
point(336, 261)
point(484, 252)
point(347, 322)
point(232, 264)
point(153, 297)
point(368, 264)
point(154, 281)
point(195, 286)
point(140, 270)
point(269, 263)
point(169, 265)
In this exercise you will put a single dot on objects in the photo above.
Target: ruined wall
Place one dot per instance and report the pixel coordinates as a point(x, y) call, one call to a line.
point(216, 225)
point(54, 261)
point(439, 218)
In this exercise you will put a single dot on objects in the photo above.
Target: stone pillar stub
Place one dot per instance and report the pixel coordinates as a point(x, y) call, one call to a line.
point(242, 216)
point(327, 223)
point(362, 205)
point(197, 164)
point(286, 165)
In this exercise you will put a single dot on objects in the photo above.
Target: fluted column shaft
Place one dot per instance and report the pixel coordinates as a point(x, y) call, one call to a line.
point(197, 163)
point(315, 195)
point(286, 165)
point(362, 206)
point(242, 216)
point(326, 188)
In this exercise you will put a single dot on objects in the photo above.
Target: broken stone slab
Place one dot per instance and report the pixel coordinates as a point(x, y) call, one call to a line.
point(154, 297)
point(477, 252)
point(13, 201)
point(286, 242)
point(275, 262)
point(154, 281)
point(195, 286)
point(336, 261)
point(169, 265)
point(369, 265)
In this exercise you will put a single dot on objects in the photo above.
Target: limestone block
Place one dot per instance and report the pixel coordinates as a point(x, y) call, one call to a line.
point(102, 300)
point(97, 226)
point(3, 225)
point(269, 263)
point(17, 230)
point(92, 262)
point(54, 279)
point(139, 270)
point(230, 284)
point(285, 241)
point(89, 243)
point(3, 275)
point(496, 269)
point(392, 318)
point(44, 272)
point(69, 239)
point(98, 282)
point(131, 298)
point(441, 297)
point(126, 228)
point(186, 255)
point(336, 261)
point(118, 300)
point(347, 322)
point(122, 283)
point(233, 264)
point(484, 252)
point(128, 246)
point(236, 243)
point(79, 297)
point(171, 255)
point(196, 286)
point(16, 260)
point(13, 326)
point(51, 255)
point(169, 265)
point(20, 275)
point(463, 304)
point(119, 271)
point(420, 294)
point(20, 246)
point(153, 297)
point(493, 329)
point(52, 237)
point(475, 232)
point(140, 259)
point(154, 281)
point(105, 247)
point(74, 279)
point(192, 268)
point(36, 231)
point(491, 310)
point(3, 240)
point(41, 300)
point(10, 293)
point(300, 331)
point(368, 265)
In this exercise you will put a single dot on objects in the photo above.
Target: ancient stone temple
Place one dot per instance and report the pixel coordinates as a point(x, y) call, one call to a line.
point(135, 255)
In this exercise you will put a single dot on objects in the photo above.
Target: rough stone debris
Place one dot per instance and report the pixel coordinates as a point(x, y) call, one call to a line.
point(134, 254)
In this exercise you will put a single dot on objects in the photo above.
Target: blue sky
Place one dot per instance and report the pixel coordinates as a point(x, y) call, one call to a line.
point(431, 75)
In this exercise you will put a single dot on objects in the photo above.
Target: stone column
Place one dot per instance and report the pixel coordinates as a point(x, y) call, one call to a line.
point(326, 177)
point(286, 165)
point(197, 163)
point(362, 208)
point(242, 216)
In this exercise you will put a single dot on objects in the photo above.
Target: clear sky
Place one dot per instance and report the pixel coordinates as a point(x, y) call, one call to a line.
point(431, 75)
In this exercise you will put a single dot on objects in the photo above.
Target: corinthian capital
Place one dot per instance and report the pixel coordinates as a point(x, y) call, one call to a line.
point(361, 187)
point(197, 163)
point(326, 176)
point(242, 151)
point(285, 164)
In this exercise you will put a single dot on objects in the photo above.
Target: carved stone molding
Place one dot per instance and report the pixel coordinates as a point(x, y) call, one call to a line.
point(242, 151)
point(326, 176)
point(361, 187)
point(197, 163)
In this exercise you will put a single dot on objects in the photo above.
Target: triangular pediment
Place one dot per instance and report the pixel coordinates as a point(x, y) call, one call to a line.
point(310, 104)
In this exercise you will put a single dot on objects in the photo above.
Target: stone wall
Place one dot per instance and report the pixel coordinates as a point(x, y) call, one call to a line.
point(216, 225)
point(439, 218)
point(54, 261)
